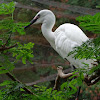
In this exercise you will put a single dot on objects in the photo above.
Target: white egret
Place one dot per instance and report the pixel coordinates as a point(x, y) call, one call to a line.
point(64, 38)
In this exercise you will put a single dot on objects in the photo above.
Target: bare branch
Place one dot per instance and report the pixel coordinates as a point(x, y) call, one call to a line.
point(48, 78)
point(15, 79)
point(3, 48)
point(37, 65)
point(77, 9)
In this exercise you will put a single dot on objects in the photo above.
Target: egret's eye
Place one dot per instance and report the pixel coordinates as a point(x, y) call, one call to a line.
point(38, 16)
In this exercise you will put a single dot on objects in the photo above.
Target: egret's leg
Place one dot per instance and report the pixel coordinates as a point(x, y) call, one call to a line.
point(79, 88)
point(56, 82)
point(61, 75)
point(78, 93)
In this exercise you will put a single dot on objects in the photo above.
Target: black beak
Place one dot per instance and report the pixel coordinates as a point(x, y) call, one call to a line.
point(32, 21)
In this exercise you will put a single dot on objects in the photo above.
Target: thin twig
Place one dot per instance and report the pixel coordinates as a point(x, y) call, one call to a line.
point(6, 48)
point(15, 79)
point(8, 39)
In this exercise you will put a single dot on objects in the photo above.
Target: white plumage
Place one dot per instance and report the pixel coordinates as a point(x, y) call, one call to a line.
point(64, 39)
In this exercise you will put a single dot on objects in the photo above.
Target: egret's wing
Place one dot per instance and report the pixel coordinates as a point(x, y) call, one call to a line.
point(64, 45)
point(72, 32)
point(68, 36)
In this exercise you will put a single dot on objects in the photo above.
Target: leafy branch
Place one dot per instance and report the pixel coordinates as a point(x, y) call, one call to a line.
point(90, 23)
point(7, 8)
point(8, 27)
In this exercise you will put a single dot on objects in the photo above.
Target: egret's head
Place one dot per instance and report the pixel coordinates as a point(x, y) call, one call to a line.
point(42, 16)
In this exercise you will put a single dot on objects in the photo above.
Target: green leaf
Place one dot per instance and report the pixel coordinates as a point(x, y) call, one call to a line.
point(98, 6)
point(64, 85)
point(73, 90)
point(24, 60)
point(2, 68)
point(5, 83)
point(3, 71)
point(21, 89)
point(94, 69)
point(82, 76)
point(23, 51)
point(7, 8)
point(90, 23)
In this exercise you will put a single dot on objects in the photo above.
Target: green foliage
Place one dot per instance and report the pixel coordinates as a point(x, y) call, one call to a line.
point(23, 51)
point(90, 23)
point(48, 93)
point(98, 6)
point(8, 28)
point(5, 64)
point(70, 88)
point(88, 50)
point(9, 24)
point(15, 91)
point(63, 94)
point(7, 8)
point(5, 83)
point(94, 69)
point(10, 49)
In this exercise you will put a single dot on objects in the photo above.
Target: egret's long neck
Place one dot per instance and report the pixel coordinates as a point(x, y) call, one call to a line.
point(47, 26)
